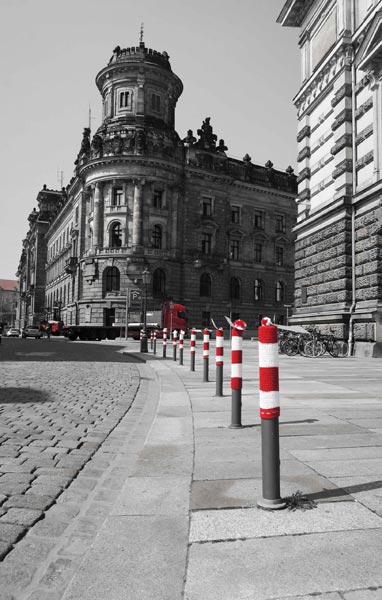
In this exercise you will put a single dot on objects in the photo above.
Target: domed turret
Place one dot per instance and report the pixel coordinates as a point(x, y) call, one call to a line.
point(139, 88)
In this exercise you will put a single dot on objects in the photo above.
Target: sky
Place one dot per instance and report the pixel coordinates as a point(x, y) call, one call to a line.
point(237, 65)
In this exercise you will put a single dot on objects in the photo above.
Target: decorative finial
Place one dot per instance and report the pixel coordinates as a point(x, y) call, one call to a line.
point(141, 35)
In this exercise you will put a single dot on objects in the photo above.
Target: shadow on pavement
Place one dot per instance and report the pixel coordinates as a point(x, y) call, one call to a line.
point(14, 395)
point(352, 489)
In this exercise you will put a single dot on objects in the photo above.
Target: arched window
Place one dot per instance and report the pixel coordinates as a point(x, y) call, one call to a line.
point(159, 282)
point(258, 290)
point(280, 289)
point(116, 235)
point(112, 279)
point(205, 285)
point(156, 237)
point(234, 290)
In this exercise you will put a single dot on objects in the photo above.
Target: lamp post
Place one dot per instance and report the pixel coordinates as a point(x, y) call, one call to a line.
point(287, 306)
point(145, 280)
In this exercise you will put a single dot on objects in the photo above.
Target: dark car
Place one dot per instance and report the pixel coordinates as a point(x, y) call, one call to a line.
point(32, 331)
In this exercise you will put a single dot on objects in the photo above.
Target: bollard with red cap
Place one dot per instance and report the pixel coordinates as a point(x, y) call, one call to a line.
point(219, 350)
point(154, 342)
point(164, 341)
point(206, 353)
point(192, 350)
point(174, 343)
point(238, 328)
point(269, 413)
point(181, 344)
point(151, 339)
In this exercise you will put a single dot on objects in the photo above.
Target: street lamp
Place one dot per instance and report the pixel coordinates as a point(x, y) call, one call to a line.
point(146, 281)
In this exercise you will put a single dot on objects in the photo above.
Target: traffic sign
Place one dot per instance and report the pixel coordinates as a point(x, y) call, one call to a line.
point(135, 298)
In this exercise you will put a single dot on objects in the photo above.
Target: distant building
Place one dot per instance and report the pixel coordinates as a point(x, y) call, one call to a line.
point(214, 232)
point(338, 249)
point(9, 294)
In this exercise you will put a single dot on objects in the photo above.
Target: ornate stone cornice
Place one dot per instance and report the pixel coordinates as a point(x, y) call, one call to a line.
point(345, 90)
point(342, 142)
point(304, 174)
point(304, 132)
point(305, 153)
point(346, 166)
point(321, 80)
point(344, 115)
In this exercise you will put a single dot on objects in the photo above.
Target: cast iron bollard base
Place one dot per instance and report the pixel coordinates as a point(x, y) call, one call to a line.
point(205, 370)
point(219, 381)
point(144, 346)
point(236, 410)
point(270, 457)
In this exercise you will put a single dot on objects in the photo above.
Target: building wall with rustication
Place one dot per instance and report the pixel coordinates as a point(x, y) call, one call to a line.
point(339, 108)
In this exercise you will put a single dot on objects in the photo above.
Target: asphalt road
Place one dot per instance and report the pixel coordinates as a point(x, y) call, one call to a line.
point(59, 402)
point(61, 349)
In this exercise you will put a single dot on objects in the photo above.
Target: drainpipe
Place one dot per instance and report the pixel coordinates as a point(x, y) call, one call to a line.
point(354, 188)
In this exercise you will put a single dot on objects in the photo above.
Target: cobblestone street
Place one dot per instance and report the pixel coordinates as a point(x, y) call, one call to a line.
point(54, 416)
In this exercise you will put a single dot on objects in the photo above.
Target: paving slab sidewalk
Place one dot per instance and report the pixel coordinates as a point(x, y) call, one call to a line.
point(183, 521)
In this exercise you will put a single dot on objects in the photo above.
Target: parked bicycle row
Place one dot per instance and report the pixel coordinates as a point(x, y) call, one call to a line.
point(311, 344)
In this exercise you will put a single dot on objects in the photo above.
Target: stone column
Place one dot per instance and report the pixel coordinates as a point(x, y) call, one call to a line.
point(96, 222)
point(138, 214)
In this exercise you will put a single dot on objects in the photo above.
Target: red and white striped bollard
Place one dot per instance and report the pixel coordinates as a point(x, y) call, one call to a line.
point(164, 341)
point(174, 343)
point(269, 413)
point(155, 342)
point(238, 329)
point(206, 353)
point(181, 343)
point(219, 352)
point(192, 350)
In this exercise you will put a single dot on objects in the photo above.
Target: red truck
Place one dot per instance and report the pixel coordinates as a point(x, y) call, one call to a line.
point(172, 315)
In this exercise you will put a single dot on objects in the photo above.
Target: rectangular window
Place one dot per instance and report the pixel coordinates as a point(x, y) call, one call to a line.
point(206, 206)
point(280, 223)
point(234, 249)
point(304, 294)
point(258, 252)
point(117, 197)
point(76, 216)
point(279, 256)
point(158, 199)
point(155, 102)
point(206, 243)
point(123, 99)
point(259, 219)
point(235, 214)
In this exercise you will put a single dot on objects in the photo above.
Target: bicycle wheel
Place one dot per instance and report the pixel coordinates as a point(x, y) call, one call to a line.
point(314, 348)
point(339, 349)
point(291, 347)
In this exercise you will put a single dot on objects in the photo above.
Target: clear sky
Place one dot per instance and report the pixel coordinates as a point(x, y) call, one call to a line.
point(238, 66)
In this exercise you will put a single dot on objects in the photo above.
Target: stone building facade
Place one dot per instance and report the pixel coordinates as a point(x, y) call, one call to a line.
point(9, 296)
point(338, 252)
point(213, 232)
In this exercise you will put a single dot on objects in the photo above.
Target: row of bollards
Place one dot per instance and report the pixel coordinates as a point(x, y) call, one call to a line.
point(268, 391)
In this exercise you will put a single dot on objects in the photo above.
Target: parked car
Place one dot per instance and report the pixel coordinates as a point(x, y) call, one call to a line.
point(13, 332)
point(32, 331)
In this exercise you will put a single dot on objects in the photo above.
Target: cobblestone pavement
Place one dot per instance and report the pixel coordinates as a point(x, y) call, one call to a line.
point(53, 418)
